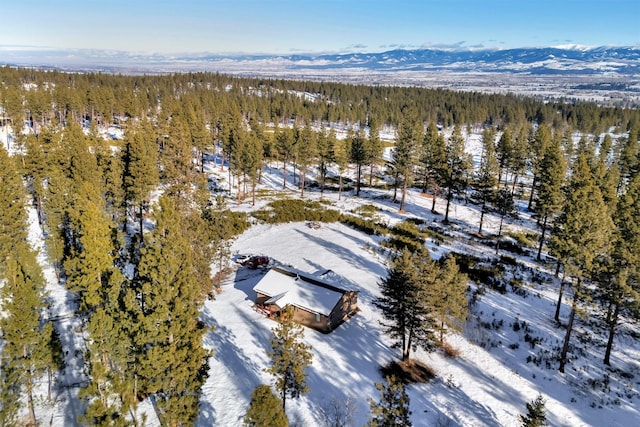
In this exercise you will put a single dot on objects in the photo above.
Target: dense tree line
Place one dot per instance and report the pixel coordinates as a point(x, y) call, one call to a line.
point(140, 269)
point(42, 97)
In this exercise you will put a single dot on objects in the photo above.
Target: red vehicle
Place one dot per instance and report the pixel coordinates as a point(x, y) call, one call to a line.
point(256, 261)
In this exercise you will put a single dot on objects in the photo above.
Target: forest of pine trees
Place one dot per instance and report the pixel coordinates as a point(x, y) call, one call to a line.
point(142, 264)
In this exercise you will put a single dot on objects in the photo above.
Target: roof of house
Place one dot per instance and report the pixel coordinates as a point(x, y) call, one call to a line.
point(285, 287)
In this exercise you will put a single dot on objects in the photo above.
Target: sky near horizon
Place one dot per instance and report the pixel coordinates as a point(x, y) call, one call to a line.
point(320, 26)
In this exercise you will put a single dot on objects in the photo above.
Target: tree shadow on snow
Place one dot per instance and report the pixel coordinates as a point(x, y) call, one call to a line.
point(429, 404)
point(344, 363)
point(245, 279)
point(230, 356)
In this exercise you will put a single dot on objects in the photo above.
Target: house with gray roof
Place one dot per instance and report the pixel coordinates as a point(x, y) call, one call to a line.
point(315, 303)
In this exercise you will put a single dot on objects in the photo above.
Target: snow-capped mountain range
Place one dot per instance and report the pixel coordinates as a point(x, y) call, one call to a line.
point(559, 60)
point(550, 60)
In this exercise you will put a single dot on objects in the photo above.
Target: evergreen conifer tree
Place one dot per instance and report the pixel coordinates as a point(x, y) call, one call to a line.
point(90, 258)
point(197, 232)
point(393, 407)
point(176, 154)
point(110, 166)
point(536, 414)
point(290, 357)
point(519, 155)
point(140, 171)
point(374, 149)
point(25, 352)
point(326, 146)
point(541, 142)
point(505, 206)
point(110, 391)
point(341, 155)
point(458, 165)
point(404, 303)
point(409, 136)
point(35, 170)
point(10, 398)
point(582, 235)
point(622, 289)
point(447, 298)
point(504, 154)
point(11, 99)
point(220, 234)
point(307, 152)
point(358, 153)
point(163, 307)
point(265, 409)
point(253, 159)
point(76, 157)
point(285, 146)
point(486, 178)
point(549, 196)
point(12, 215)
point(434, 161)
point(629, 155)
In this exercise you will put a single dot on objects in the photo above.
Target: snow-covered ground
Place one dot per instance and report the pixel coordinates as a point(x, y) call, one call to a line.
point(497, 372)
point(489, 384)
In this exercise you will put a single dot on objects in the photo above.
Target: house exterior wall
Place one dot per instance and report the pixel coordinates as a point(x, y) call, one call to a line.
point(347, 305)
point(261, 298)
point(311, 320)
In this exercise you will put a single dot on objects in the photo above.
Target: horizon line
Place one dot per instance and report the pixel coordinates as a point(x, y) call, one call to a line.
point(437, 47)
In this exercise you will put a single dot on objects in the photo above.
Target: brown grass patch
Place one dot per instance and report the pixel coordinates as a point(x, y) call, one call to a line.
point(449, 350)
point(409, 371)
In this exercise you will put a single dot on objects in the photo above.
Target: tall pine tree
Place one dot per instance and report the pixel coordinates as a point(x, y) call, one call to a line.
point(290, 357)
point(622, 290)
point(265, 409)
point(486, 178)
point(434, 162)
point(404, 302)
point(408, 138)
point(358, 153)
point(25, 353)
point(582, 235)
point(458, 165)
point(163, 306)
point(549, 196)
point(393, 407)
point(447, 298)
point(140, 172)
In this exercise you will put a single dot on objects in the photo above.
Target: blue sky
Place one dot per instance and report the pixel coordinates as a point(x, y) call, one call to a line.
point(306, 26)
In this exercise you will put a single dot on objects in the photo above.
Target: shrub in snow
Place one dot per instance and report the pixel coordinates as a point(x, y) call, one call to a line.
point(536, 414)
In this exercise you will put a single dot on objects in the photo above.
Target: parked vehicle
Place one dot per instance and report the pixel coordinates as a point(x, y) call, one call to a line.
point(256, 261)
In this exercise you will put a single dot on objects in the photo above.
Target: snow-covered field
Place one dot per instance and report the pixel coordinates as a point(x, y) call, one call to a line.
point(497, 372)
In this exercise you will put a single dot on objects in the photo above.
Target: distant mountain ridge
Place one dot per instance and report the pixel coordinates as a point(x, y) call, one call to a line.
point(543, 60)
point(547, 60)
